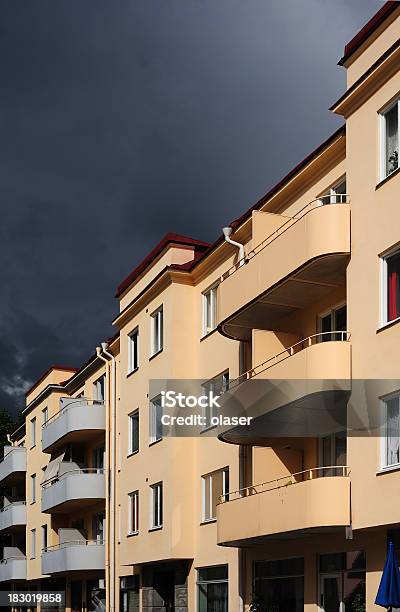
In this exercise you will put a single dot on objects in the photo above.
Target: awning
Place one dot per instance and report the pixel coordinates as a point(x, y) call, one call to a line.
point(53, 467)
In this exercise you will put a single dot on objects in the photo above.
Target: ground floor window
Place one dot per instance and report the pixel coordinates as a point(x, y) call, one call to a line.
point(129, 594)
point(212, 587)
point(279, 585)
point(342, 582)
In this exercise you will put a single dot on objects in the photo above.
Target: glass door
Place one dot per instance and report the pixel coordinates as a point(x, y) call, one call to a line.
point(331, 593)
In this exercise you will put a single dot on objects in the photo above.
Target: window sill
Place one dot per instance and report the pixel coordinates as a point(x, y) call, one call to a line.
point(387, 470)
point(208, 522)
point(388, 324)
point(155, 528)
point(155, 354)
point(155, 442)
point(208, 334)
point(132, 534)
point(132, 454)
point(387, 178)
point(132, 372)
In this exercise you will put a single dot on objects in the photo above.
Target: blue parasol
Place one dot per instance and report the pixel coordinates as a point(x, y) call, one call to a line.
point(389, 589)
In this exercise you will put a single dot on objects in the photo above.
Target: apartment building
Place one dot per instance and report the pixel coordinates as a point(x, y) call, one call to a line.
point(299, 327)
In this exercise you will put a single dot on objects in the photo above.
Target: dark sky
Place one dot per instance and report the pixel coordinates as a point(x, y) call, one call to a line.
point(120, 121)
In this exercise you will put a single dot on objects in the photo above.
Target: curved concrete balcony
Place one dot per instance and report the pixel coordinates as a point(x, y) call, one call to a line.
point(13, 516)
point(13, 466)
point(300, 392)
point(75, 556)
point(73, 490)
point(295, 266)
point(78, 419)
point(295, 505)
point(13, 568)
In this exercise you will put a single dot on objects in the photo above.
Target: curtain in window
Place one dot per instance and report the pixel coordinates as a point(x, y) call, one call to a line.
point(393, 431)
point(393, 270)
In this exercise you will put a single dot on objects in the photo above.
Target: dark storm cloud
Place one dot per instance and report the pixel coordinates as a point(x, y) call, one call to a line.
point(121, 121)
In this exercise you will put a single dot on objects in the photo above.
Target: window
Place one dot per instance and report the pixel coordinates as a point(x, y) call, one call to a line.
point(390, 140)
point(33, 488)
point(44, 537)
point(33, 432)
point(133, 351)
point(209, 310)
point(98, 457)
point(98, 527)
point(212, 588)
point(217, 385)
point(333, 452)
point(45, 415)
point(390, 287)
point(334, 321)
point(335, 195)
point(156, 519)
point(133, 445)
point(391, 431)
point(99, 389)
point(214, 486)
point(156, 430)
point(33, 543)
point(342, 580)
point(133, 526)
point(279, 585)
point(157, 331)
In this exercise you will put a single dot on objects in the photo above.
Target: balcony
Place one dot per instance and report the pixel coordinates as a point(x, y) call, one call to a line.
point(13, 516)
point(295, 505)
point(13, 466)
point(72, 489)
point(13, 565)
point(78, 419)
point(73, 556)
point(300, 392)
point(295, 266)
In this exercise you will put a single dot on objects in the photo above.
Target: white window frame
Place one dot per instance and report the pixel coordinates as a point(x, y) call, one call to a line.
point(97, 386)
point(33, 432)
point(153, 406)
point(132, 416)
point(384, 320)
point(212, 385)
point(33, 543)
point(331, 196)
point(133, 341)
point(210, 294)
point(206, 483)
point(384, 438)
point(33, 488)
point(157, 331)
point(382, 138)
point(133, 525)
point(156, 493)
point(45, 416)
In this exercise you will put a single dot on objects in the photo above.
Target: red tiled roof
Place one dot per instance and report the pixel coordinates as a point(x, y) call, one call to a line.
point(368, 29)
point(170, 238)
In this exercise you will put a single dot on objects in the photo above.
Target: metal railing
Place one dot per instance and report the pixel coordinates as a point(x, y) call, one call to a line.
point(72, 543)
point(51, 481)
point(321, 201)
point(4, 561)
point(74, 401)
point(285, 481)
point(336, 336)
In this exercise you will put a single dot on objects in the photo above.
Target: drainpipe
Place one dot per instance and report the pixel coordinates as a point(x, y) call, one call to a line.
point(227, 231)
point(107, 472)
point(113, 424)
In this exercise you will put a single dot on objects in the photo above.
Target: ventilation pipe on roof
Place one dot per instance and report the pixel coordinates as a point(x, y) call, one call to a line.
point(227, 231)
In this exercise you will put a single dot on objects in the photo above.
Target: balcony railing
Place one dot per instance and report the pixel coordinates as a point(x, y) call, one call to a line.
point(76, 415)
point(13, 463)
point(13, 515)
point(74, 555)
point(51, 481)
point(327, 200)
point(13, 568)
point(63, 492)
point(285, 481)
point(337, 336)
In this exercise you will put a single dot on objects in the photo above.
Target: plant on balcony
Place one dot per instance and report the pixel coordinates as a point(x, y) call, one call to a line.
point(393, 161)
point(256, 604)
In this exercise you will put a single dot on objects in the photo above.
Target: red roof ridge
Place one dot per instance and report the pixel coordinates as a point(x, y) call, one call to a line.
point(366, 31)
point(169, 238)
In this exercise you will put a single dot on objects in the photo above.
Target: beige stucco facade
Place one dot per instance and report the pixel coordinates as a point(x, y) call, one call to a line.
point(128, 518)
